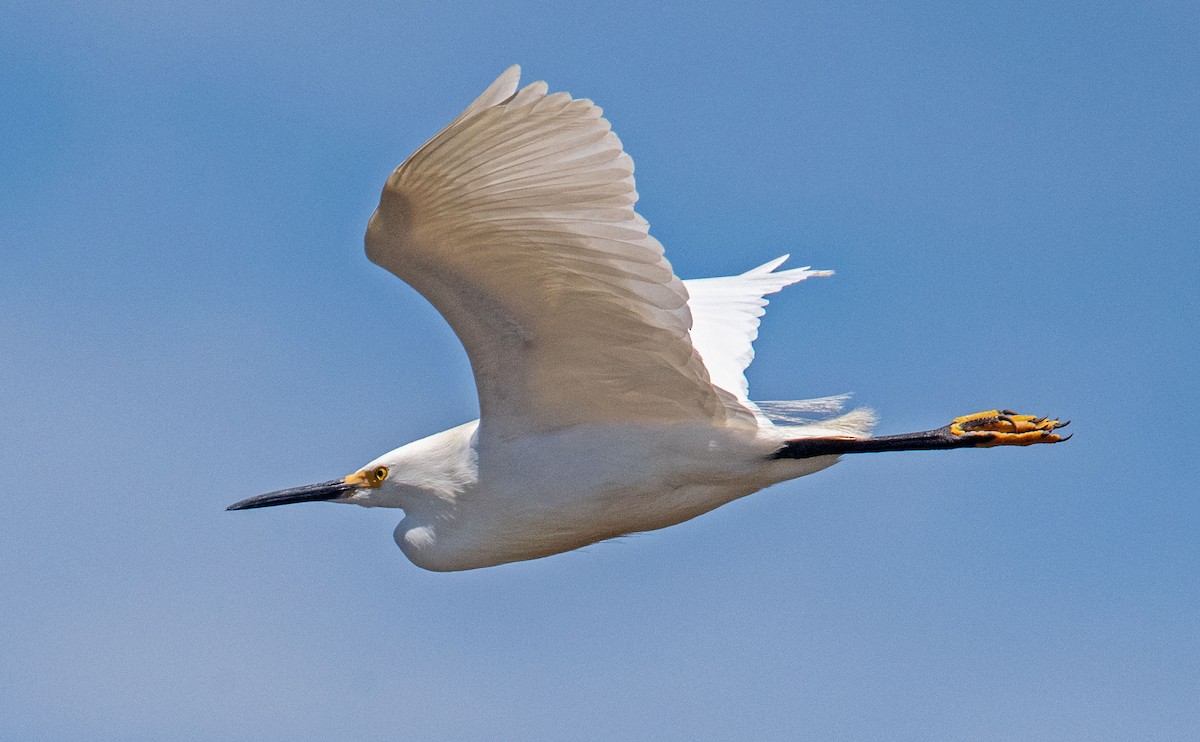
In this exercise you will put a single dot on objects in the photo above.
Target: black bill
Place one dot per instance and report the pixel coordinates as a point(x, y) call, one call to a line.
point(330, 490)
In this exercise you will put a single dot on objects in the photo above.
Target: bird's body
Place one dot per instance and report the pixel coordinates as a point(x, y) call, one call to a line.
point(467, 506)
point(612, 394)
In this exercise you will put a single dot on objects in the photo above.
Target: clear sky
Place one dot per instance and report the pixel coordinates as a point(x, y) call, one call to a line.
point(1008, 193)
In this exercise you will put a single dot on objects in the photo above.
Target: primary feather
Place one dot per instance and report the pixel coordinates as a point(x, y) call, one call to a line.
point(517, 223)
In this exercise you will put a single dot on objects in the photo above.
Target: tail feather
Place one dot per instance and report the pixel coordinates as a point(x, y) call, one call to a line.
point(857, 423)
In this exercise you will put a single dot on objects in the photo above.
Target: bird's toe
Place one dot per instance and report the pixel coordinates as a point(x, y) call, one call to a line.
point(1007, 428)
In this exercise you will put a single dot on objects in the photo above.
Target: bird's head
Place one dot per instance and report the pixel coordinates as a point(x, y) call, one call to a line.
point(423, 475)
point(363, 487)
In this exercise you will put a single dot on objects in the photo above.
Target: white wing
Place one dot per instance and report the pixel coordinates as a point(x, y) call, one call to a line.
point(517, 223)
point(725, 316)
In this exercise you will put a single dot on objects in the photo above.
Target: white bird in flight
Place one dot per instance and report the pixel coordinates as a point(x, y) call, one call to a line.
point(612, 394)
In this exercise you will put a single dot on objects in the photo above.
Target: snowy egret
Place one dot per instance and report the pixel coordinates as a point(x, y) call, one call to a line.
point(612, 394)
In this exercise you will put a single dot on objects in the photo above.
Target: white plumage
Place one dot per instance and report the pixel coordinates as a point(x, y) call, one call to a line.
point(725, 316)
point(612, 394)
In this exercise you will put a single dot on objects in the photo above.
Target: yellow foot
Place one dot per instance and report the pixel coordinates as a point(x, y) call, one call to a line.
point(1007, 428)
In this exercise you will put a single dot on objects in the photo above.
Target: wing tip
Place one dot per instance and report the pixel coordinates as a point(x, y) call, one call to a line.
point(508, 81)
point(799, 274)
point(769, 266)
point(502, 89)
point(767, 272)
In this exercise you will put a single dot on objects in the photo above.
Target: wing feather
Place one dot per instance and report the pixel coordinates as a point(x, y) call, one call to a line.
point(725, 316)
point(517, 223)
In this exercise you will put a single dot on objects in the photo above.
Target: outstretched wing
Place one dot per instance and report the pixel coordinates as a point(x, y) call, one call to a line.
point(517, 223)
point(725, 316)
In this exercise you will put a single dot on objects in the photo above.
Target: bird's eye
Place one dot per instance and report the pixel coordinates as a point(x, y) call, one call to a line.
point(380, 473)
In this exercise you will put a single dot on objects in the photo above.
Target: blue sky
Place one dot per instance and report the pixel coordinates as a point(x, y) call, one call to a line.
point(1009, 197)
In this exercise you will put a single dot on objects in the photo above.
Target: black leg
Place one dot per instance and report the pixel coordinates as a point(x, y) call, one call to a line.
point(981, 430)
